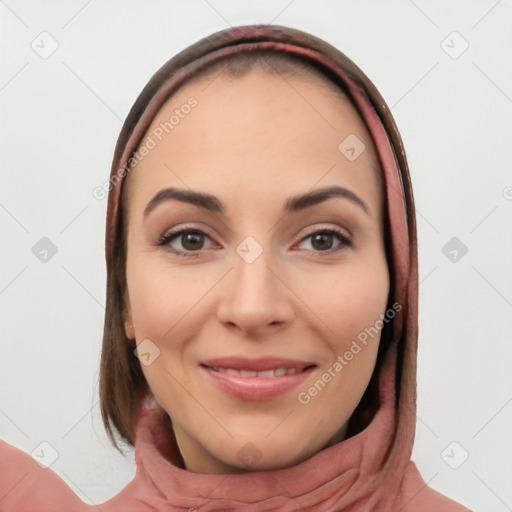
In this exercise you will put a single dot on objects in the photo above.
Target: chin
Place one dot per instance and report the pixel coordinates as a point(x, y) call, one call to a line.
point(260, 454)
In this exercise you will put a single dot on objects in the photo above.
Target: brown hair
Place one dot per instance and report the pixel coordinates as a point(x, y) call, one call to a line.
point(122, 383)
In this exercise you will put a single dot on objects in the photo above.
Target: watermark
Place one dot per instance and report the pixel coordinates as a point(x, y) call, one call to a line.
point(249, 454)
point(249, 249)
point(304, 397)
point(454, 45)
point(351, 147)
point(44, 250)
point(45, 454)
point(45, 45)
point(455, 455)
point(146, 351)
point(454, 249)
point(157, 135)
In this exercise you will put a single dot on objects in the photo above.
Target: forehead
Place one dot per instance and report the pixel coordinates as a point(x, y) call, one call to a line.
point(262, 131)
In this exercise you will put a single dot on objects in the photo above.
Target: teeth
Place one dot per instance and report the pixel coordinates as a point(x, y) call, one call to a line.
point(247, 373)
point(278, 372)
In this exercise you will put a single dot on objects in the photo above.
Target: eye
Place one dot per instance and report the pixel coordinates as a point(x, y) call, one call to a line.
point(323, 240)
point(191, 241)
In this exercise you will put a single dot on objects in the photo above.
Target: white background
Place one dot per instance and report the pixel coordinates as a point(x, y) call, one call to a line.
point(60, 118)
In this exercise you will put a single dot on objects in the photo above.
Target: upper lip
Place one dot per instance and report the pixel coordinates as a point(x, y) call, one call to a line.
point(257, 365)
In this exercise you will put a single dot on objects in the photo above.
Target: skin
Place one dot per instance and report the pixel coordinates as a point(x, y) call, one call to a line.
point(295, 300)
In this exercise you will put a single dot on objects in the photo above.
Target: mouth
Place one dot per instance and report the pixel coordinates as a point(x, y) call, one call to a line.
point(261, 367)
point(256, 379)
point(272, 373)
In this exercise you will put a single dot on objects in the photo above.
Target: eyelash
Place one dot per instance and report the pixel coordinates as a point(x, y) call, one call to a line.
point(169, 237)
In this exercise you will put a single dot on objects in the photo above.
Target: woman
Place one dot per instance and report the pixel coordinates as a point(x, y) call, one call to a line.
point(260, 335)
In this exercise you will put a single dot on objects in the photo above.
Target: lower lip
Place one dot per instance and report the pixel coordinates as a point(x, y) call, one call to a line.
point(256, 389)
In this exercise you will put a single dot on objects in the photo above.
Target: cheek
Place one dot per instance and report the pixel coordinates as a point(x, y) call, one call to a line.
point(162, 299)
point(350, 302)
point(347, 310)
point(161, 296)
point(168, 303)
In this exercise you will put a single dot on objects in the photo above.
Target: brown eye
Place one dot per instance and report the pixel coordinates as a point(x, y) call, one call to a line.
point(324, 241)
point(191, 240)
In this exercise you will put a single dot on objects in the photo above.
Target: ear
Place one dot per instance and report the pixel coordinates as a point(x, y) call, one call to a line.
point(127, 318)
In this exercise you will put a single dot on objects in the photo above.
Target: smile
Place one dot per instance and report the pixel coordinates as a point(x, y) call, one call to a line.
point(278, 372)
point(256, 379)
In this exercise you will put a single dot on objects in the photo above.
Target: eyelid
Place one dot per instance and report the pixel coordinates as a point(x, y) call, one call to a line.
point(325, 226)
point(186, 227)
point(308, 231)
point(344, 237)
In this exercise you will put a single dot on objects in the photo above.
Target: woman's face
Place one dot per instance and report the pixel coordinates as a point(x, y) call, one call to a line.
point(256, 279)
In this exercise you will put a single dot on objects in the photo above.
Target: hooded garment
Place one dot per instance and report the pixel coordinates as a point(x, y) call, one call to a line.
point(371, 470)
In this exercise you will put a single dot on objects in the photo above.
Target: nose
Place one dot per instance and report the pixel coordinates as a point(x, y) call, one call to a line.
point(255, 298)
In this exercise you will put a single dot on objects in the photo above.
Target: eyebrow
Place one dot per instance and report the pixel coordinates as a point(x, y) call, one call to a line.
point(293, 204)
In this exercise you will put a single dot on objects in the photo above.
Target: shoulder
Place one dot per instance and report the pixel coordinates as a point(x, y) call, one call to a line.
point(417, 496)
point(25, 485)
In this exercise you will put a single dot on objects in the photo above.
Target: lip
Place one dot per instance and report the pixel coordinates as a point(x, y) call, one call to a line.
point(257, 365)
point(256, 389)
